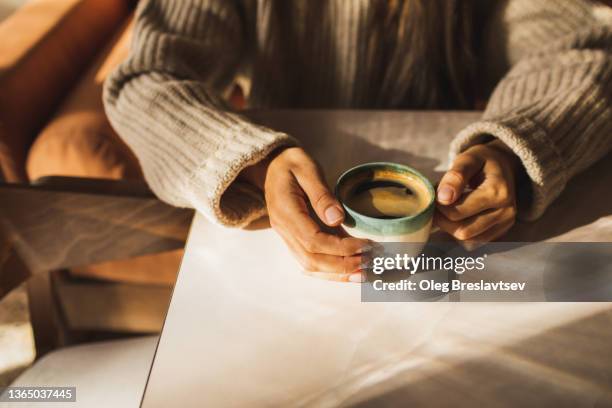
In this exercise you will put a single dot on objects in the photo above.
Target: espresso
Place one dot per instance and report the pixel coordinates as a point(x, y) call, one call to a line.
point(394, 196)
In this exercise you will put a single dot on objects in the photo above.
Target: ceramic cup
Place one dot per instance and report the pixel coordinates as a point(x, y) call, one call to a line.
point(412, 228)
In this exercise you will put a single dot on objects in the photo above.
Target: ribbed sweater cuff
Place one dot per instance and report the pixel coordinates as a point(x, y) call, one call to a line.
point(532, 145)
point(213, 189)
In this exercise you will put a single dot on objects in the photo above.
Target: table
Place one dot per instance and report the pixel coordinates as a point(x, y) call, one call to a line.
point(246, 328)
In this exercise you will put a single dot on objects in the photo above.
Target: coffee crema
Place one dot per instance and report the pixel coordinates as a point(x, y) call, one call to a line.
point(386, 195)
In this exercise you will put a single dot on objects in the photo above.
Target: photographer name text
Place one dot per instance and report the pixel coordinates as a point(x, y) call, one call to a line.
point(445, 287)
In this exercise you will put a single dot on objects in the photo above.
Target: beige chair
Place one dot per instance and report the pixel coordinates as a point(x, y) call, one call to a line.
point(54, 57)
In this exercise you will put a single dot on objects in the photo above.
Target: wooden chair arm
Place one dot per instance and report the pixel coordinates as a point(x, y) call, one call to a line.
point(62, 222)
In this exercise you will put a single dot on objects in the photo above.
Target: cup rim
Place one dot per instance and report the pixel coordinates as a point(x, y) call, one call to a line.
point(409, 169)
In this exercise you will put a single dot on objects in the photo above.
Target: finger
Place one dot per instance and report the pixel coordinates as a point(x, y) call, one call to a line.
point(476, 225)
point(310, 236)
point(325, 205)
point(337, 277)
point(335, 264)
point(490, 194)
point(491, 234)
point(322, 262)
point(457, 177)
point(290, 213)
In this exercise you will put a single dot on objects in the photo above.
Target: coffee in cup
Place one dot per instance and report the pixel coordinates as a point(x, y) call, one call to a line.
point(386, 202)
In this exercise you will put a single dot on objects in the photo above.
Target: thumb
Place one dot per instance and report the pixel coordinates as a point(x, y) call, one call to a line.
point(324, 203)
point(456, 179)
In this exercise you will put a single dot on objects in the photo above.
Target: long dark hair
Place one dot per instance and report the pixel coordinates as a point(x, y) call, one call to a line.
point(430, 46)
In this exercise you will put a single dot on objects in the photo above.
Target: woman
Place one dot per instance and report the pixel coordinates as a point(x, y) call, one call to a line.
point(548, 117)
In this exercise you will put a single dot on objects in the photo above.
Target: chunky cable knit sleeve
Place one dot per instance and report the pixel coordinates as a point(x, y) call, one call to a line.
point(553, 107)
point(164, 102)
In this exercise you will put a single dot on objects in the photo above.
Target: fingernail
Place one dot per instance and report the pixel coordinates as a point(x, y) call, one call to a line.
point(357, 278)
point(333, 215)
point(445, 194)
point(370, 247)
point(365, 249)
point(472, 245)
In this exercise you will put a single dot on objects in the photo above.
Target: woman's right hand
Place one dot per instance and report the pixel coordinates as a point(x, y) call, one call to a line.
point(291, 180)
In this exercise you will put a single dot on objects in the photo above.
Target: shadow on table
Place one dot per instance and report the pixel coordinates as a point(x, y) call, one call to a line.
point(565, 366)
point(357, 150)
point(587, 198)
point(578, 273)
point(317, 133)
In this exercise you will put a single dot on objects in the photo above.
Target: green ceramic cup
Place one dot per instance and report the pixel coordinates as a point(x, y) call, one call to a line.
point(412, 228)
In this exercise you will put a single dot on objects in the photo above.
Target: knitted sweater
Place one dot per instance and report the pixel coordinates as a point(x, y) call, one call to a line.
point(551, 60)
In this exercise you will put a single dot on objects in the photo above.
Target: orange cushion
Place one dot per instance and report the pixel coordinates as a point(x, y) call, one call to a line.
point(79, 141)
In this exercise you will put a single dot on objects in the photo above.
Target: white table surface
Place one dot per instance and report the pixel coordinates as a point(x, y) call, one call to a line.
point(246, 328)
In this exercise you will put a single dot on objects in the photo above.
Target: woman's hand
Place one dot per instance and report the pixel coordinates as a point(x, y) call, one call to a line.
point(489, 209)
point(291, 180)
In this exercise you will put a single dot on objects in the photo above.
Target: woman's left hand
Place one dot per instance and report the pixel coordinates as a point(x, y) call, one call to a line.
point(488, 210)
